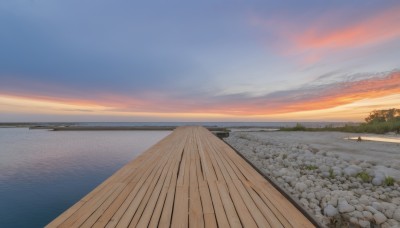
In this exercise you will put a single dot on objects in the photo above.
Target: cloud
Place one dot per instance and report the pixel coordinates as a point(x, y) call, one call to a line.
point(376, 28)
point(317, 95)
point(313, 39)
point(323, 96)
point(310, 98)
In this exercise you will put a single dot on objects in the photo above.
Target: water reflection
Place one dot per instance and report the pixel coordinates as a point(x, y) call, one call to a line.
point(377, 139)
point(42, 173)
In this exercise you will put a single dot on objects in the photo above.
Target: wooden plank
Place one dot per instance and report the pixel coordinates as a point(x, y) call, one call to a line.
point(166, 215)
point(144, 180)
point(106, 215)
point(242, 212)
point(155, 195)
point(269, 193)
point(270, 214)
point(209, 186)
point(188, 179)
point(230, 210)
point(180, 216)
point(205, 197)
point(142, 195)
point(264, 207)
point(222, 220)
point(154, 215)
point(196, 218)
point(250, 204)
point(99, 211)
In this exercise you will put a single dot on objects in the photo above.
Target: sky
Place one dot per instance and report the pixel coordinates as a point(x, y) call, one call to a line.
point(119, 60)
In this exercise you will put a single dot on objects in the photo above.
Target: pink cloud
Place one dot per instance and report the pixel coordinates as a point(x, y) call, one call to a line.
point(381, 27)
point(318, 39)
point(305, 98)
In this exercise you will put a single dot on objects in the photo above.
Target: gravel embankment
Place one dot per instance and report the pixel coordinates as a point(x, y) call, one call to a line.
point(339, 190)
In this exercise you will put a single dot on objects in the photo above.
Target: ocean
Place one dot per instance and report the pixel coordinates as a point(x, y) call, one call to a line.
point(43, 173)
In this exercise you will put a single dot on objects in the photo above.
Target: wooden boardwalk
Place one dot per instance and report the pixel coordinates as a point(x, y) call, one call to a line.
point(189, 179)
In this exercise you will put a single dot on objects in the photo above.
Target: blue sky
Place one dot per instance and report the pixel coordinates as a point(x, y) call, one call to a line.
point(225, 58)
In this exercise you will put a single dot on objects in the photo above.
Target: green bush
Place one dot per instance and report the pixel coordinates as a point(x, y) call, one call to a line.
point(364, 176)
point(389, 181)
point(378, 122)
point(298, 127)
point(311, 167)
point(331, 173)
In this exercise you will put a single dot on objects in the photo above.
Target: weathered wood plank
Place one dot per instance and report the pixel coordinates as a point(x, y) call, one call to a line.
point(189, 179)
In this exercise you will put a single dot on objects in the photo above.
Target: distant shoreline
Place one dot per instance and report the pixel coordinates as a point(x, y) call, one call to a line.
point(119, 128)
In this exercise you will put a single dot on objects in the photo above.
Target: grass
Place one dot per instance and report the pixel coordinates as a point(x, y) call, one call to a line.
point(298, 127)
point(331, 173)
point(389, 181)
point(375, 127)
point(311, 167)
point(364, 176)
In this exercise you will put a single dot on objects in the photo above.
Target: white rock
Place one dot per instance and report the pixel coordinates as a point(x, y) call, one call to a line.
point(330, 211)
point(345, 207)
point(357, 214)
point(364, 200)
point(379, 218)
point(324, 168)
point(377, 206)
point(364, 223)
point(385, 225)
point(371, 209)
point(393, 223)
point(368, 215)
point(309, 183)
point(304, 202)
point(301, 186)
point(337, 171)
point(320, 194)
point(378, 180)
point(352, 170)
point(365, 165)
point(389, 213)
point(334, 187)
point(281, 172)
point(359, 207)
point(311, 195)
point(333, 200)
point(396, 214)
point(354, 221)
point(396, 201)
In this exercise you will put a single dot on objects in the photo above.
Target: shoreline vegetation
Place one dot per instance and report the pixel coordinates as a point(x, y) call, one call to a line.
point(378, 122)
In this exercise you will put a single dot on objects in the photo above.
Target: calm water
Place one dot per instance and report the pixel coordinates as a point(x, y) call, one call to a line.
point(42, 173)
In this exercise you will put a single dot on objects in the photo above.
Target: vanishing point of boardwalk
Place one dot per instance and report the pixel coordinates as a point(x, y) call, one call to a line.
point(189, 179)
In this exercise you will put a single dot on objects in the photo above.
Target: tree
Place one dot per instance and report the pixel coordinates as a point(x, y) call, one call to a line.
point(379, 116)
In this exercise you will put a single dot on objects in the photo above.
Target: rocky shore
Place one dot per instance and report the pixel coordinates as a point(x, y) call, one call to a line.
point(339, 191)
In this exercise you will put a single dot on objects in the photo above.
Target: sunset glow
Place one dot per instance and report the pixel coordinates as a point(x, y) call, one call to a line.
point(246, 62)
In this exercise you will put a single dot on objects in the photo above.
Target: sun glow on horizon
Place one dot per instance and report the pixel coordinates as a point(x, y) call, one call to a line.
point(198, 61)
point(354, 111)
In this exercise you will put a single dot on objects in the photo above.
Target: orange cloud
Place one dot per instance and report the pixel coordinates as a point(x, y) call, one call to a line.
point(304, 101)
point(308, 98)
point(329, 96)
point(381, 27)
point(322, 37)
